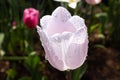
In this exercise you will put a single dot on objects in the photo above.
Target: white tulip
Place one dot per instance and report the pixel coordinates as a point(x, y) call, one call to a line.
point(64, 38)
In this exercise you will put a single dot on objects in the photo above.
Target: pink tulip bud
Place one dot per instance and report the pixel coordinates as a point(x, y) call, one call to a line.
point(93, 2)
point(64, 38)
point(30, 17)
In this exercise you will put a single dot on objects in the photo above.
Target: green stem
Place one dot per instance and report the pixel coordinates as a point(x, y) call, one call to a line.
point(91, 17)
point(68, 76)
point(78, 7)
point(13, 58)
point(62, 4)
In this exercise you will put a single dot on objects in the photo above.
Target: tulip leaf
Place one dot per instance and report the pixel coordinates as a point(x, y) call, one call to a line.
point(1, 38)
point(78, 73)
point(32, 64)
point(103, 17)
point(32, 61)
point(44, 78)
point(25, 78)
point(11, 73)
point(93, 27)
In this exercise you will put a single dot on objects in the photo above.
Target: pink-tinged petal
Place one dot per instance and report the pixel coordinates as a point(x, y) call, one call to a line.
point(59, 45)
point(44, 21)
point(76, 56)
point(46, 45)
point(52, 49)
point(77, 50)
point(53, 27)
point(93, 2)
point(79, 36)
point(61, 14)
point(77, 22)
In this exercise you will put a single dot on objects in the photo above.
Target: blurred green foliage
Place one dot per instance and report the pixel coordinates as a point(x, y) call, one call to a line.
point(114, 18)
point(17, 42)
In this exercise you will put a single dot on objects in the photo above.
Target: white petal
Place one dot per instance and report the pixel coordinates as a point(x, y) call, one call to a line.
point(60, 45)
point(76, 55)
point(80, 36)
point(77, 22)
point(55, 48)
point(47, 47)
point(44, 21)
point(77, 50)
point(73, 5)
point(61, 14)
point(53, 27)
point(62, 0)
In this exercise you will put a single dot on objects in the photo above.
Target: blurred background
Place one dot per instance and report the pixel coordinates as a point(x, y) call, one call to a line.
point(21, 53)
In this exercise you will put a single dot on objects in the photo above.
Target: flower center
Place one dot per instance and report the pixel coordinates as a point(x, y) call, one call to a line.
point(72, 1)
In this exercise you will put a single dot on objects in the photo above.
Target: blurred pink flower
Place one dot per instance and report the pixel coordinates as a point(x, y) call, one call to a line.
point(93, 2)
point(14, 24)
point(30, 17)
point(64, 38)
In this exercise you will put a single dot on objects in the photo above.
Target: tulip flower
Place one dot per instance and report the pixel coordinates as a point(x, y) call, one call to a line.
point(64, 39)
point(30, 17)
point(93, 2)
point(71, 3)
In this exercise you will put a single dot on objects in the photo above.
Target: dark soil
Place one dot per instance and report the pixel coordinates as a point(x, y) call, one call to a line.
point(103, 64)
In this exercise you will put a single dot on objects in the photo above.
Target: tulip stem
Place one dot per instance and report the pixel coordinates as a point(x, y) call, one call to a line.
point(68, 76)
point(13, 58)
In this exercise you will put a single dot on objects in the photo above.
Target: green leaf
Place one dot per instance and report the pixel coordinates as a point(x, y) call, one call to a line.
point(99, 46)
point(25, 78)
point(44, 78)
point(101, 15)
point(11, 73)
point(35, 61)
point(32, 64)
point(93, 27)
point(78, 73)
point(32, 61)
point(1, 38)
point(101, 36)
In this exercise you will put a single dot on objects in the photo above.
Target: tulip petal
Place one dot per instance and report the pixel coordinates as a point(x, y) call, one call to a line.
point(53, 48)
point(62, 0)
point(61, 14)
point(77, 50)
point(47, 46)
point(79, 36)
point(72, 5)
point(77, 22)
point(53, 27)
point(93, 2)
point(59, 43)
point(44, 21)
